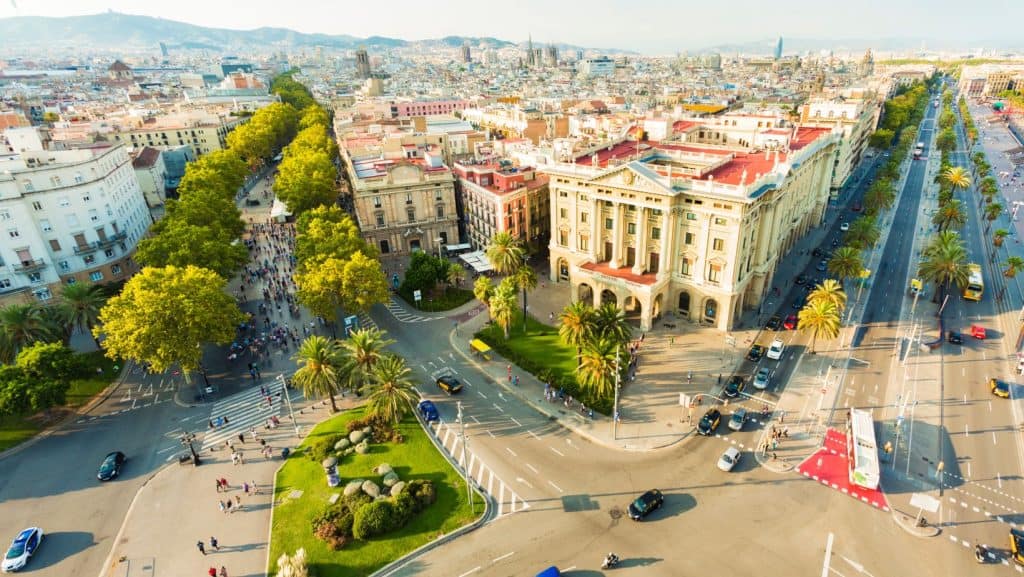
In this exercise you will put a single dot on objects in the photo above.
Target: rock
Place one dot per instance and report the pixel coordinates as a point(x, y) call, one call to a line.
point(397, 488)
point(342, 445)
point(390, 479)
point(329, 463)
point(356, 437)
point(380, 498)
point(349, 451)
point(382, 469)
point(363, 448)
point(368, 431)
point(370, 488)
point(353, 487)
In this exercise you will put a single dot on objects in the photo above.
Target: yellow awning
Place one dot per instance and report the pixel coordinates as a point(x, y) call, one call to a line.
point(479, 345)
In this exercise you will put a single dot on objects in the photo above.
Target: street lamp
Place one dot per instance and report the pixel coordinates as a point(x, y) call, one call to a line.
point(615, 403)
point(465, 463)
point(281, 380)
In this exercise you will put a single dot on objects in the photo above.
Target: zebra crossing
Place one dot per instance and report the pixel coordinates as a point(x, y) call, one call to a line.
point(406, 316)
point(508, 500)
point(244, 410)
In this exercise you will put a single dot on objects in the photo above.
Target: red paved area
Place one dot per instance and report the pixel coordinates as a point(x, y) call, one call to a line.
point(829, 466)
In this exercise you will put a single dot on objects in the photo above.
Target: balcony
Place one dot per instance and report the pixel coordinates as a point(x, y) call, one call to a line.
point(111, 240)
point(87, 248)
point(30, 266)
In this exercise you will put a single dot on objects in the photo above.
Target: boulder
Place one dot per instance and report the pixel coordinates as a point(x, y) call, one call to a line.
point(368, 431)
point(348, 451)
point(356, 437)
point(329, 463)
point(363, 448)
point(397, 488)
point(390, 479)
point(382, 469)
point(342, 444)
point(371, 489)
point(353, 487)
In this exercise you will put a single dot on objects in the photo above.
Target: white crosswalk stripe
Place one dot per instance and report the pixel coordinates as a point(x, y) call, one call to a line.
point(406, 316)
point(243, 410)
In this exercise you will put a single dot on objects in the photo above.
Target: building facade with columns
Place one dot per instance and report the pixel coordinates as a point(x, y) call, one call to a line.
point(697, 230)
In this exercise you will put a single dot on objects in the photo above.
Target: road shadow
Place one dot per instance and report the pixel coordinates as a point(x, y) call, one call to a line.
point(57, 547)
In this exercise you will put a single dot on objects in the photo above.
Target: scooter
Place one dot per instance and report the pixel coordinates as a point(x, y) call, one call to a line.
point(610, 561)
point(981, 553)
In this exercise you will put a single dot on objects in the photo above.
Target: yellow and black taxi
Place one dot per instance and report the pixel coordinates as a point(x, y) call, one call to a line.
point(709, 422)
point(735, 386)
point(1017, 546)
point(449, 384)
point(755, 353)
point(999, 388)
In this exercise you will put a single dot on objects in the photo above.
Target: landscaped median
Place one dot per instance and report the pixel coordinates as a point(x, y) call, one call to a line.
point(302, 498)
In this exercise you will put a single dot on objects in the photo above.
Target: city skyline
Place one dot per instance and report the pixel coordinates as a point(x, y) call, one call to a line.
point(600, 25)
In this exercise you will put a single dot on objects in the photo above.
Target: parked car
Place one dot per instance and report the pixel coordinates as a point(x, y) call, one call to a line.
point(734, 386)
point(755, 353)
point(773, 323)
point(22, 549)
point(822, 266)
point(775, 350)
point(802, 278)
point(738, 419)
point(550, 572)
point(790, 322)
point(798, 302)
point(763, 378)
point(428, 410)
point(816, 253)
point(729, 458)
point(111, 466)
point(954, 338)
point(999, 388)
point(844, 226)
point(856, 206)
point(645, 504)
point(449, 384)
point(709, 422)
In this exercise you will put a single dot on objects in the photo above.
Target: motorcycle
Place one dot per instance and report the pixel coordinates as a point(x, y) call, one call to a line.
point(981, 553)
point(610, 561)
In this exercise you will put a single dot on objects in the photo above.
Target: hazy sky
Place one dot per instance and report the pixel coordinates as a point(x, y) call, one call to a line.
point(660, 26)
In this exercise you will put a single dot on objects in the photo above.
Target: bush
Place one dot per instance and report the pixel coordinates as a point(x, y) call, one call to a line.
point(405, 507)
point(323, 447)
point(374, 519)
point(356, 500)
point(334, 527)
point(422, 491)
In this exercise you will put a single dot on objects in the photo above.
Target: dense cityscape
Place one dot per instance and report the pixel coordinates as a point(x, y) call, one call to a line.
point(460, 305)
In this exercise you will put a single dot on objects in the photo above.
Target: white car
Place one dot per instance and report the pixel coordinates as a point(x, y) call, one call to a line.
point(775, 350)
point(23, 547)
point(763, 378)
point(729, 458)
point(844, 226)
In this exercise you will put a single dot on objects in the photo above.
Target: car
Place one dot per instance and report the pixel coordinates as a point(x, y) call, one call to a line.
point(775, 350)
point(762, 378)
point(999, 388)
point(773, 323)
point(816, 253)
point(1017, 546)
point(856, 207)
point(729, 458)
point(252, 202)
point(954, 338)
point(738, 419)
point(550, 572)
point(844, 226)
point(755, 353)
point(111, 466)
point(801, 279)
point(798, 303)
point(428, 410)
point(790, 322)
point(822, 266)
point(734, 386)
point(645, 504)
point(709, 422)
point(449, 384)
point(22, 549)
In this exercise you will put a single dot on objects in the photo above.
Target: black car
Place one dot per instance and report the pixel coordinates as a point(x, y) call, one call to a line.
point(816, 253)
point(645, 504)
point(755, 353)
point(954, 338)
point(801, 279)
point(734, 386)
point(111, 466)
point(709, 422)
point(449, 384)
point(774, 323)
point(798, 303)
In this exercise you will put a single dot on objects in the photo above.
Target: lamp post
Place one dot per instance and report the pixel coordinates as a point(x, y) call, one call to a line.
point(615, 403)
point(465, 464)
point(288, 399)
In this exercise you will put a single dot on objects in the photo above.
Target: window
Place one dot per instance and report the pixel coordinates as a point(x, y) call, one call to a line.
point(609, 223)
point(563, 194)
point(64, 266)
point(688, 238)
point(376, 202)
point(13, 233)
point(5, 283)
point(563, 238)
point(655, 233)
point(408, 198)
point(44, 224)
point(719, 220)
point(36, 205)
point(54, 245)
point(93, 215)
point(715, 273)
point(411, 213)
point(78, 178)
point(440, 211)
point(35, 277)
point(96, 276)
point(684, 267)
point(718, 244)
point(27, 184)
point(5, 214)
point(691, 216)
point(109, 253)
point(115, 269)
point(380, 219)
point(631, 228)
point(438, 193)
point(43, 294)
point(584, 243)
point(55, 180)
point(583, 217)
point(89, 259)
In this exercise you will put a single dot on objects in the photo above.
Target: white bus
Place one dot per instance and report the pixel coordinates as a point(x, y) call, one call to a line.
point(862, 450)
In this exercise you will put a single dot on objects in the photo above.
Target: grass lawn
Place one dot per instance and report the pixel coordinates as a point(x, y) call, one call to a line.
point(438, 300)
point(536, 349)
point(416, 458)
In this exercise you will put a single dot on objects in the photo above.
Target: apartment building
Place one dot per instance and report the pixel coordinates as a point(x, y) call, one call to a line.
point(856, 119)
point(205, 132)
point(67, 216)
point(695, 229)
point(497, 196)
point(988, 80)
point(151, 172)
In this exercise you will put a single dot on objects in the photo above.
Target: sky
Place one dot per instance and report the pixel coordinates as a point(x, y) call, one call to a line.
point(658, 27)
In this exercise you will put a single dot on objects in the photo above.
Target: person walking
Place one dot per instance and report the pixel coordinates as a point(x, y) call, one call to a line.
point(213, 543)
point(238, 502)
point(218, 485)
point(221, 505)
point(201, 547)
point(212, 572)
point(223, 571)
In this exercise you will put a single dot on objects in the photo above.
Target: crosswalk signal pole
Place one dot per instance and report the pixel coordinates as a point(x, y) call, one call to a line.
point(288, 400)
point(465, 464)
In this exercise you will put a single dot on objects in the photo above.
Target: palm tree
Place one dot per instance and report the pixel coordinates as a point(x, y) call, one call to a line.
point(319, 361)
point(455, 274)
point(992, 212)
point(957, 177)
point(23, 324)
point(596, 372)
point(392, 394)
point(944, 262)
point(362, 350)
point(999, 235)
point(503, 304)
point(505, 253)
point(1014, 265)
point(610, 323)
point(846, 262)
point(863, 233)
point(821, 319)
point(577, 326)
point(880, 195)
point(950, 215)
point(829, 290)
point(81, 304)
point(526, 280)
point(483, 289)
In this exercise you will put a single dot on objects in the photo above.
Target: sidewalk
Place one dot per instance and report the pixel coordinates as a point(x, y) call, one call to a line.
point(166, 518)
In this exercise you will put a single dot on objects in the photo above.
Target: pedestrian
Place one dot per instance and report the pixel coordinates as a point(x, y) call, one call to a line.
point(241, 438)
point(212, 572)
point(218, 485)
point(225, 420)
point(211, 424)
point(223, 571)
point(213, 543)
point(224, 483)
point(228, 505)
point(238, 502)
point(782, 417)
point(785, 432)
point(201, 547)
point(255, 488)
point(774, 456)
point(245, 488)
point(221, 505)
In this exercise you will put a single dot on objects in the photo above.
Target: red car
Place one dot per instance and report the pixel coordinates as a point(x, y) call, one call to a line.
point(790, 323)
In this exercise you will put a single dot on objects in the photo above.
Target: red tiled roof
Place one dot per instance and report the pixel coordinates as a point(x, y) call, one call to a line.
point(624, 273)
point(683, 125)
point(623, 150)
point(146, 157)
point(690, 148)
point(753, 163)
point(806, 135)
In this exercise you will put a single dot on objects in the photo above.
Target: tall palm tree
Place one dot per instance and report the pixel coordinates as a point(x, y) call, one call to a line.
point(319, 361)
point(596, 372)
point(821, 319)
point(880, 194)
point(505, 253)
point(1014, 265)
point(829, 290)
point(483, 289)
point(577, 326)
point(455, 274)
point(950, 215)
point(944, 262)
point(992, 212)
point(526, 280)
point(863, 232)
point(999, 235)
point(846, 262)
point(957, 177)
point(610, 323)
point(81, 304)
point(23, 324)
point(503, 304)
point(362, 350)
point(392, 394)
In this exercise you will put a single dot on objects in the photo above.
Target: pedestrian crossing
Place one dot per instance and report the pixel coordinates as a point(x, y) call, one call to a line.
point(244, 411)
point(404, 315)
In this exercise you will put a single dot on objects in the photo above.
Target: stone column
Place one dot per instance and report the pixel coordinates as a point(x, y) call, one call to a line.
point(617, 232)
point(667, 243)
point(595, 229)
point(641, 241)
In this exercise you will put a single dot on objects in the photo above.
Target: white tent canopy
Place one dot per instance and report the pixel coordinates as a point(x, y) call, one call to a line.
point(477, 260)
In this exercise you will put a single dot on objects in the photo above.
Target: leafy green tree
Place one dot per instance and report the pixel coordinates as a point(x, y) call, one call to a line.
point(944, 262)
point(505, 253)
point(22, 325)
point(526, 280)
point(362, 350)
point(306, 180)
point(946, 140)
point(863, 233)
point(950, 215)
point(319, 364)
point(362, 284)
point(327, 231)
point(252, 141)
point(992, 211)
point(456, 273)
point(503, 304)
point(829, 290)
point(882, 138)
point(163, 316)
point(483, 289)
point(957, 177)
point(820, 319)
point(424, 272)
point(313, 138)
point(319, 288)
point(14, 387)
point(846, 262)
point(206, 209)
point(182, 244)
point(392, 394)
point(577, 326)
point(596, 373)
point(1013, 264)
point(80, 304)
point(221, 171)
point(50, 362)
point(999, 235)
point(610, 323)
point(880, 195)
point(314, 116)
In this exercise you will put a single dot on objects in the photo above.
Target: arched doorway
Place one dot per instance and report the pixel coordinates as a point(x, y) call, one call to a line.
point(633, 308)
point(608, 296)
point(656, 307)
point(684, 304)
point(563, 269)
point(585, 293)
point(710, 312)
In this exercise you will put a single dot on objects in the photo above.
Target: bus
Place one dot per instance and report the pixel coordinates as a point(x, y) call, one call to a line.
point(975, 284)
point(918, 150)
point(861, 450)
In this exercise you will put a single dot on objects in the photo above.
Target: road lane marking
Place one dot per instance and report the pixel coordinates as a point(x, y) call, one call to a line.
point(467, 382)
point(513, 453)
point(471, 571)
point(967, 432)
point(532, 468)
point(993, 437)
point(534, 435)
point(557, 452)
point(481, 394)
point(497, 407)
point(524, 481)
point(559, 489)
point(491, 434)
point(518, 424)
point(505, 556)
point(475, 420)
